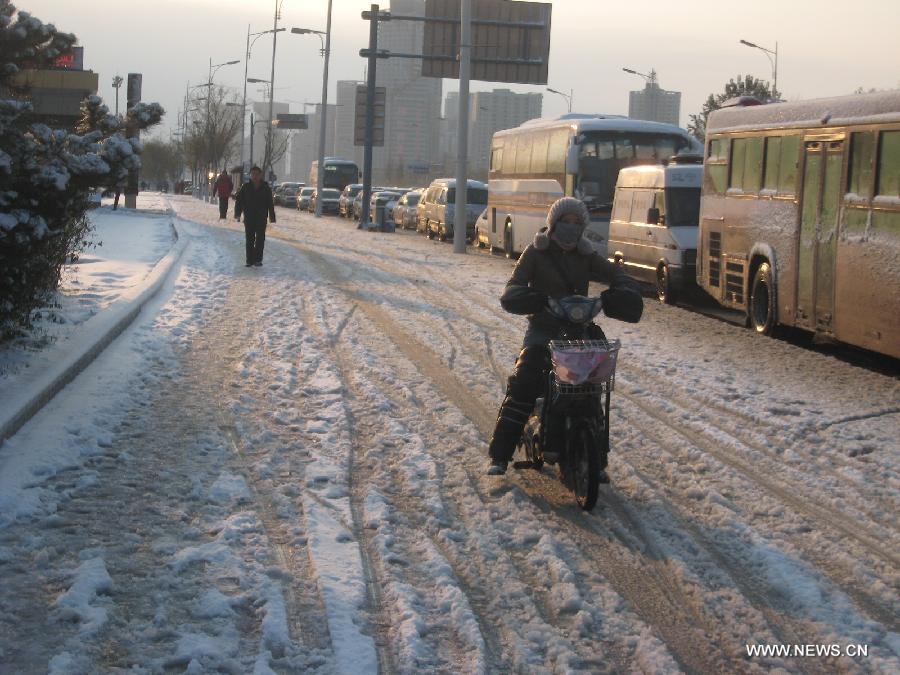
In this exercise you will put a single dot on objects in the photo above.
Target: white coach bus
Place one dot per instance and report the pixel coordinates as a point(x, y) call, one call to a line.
point(542, 160)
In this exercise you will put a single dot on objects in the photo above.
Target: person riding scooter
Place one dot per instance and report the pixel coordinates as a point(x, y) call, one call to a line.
point(559, 263)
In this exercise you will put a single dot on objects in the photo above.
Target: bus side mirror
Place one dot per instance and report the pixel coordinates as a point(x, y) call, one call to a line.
point(653, 216)
point(572, 159)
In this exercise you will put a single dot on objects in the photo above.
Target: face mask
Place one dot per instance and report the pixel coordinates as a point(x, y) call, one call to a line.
point(567, 234)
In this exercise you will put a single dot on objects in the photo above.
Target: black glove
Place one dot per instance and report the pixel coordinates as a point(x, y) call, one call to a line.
point(523, 300)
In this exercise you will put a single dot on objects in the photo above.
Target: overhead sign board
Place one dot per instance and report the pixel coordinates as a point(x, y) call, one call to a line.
point(510, 40)
point(359, 130)
point(289, 121)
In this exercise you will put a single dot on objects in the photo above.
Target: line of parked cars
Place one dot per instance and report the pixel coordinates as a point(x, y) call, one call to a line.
point(429, 210)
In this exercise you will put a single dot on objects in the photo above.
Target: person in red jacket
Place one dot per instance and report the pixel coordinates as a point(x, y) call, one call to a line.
point(223, 188)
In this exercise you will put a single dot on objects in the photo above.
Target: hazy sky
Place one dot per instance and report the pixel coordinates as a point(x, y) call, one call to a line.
point(825, 48)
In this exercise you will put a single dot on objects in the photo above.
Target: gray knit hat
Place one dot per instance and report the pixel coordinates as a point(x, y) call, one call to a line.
point(566, 206)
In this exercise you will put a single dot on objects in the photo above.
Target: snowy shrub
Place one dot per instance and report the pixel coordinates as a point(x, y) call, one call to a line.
point(46, 174)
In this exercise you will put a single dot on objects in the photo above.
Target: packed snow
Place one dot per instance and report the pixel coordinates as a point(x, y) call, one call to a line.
point(281, 470)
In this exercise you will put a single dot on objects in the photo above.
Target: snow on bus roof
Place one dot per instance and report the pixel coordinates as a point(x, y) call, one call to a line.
point(883, 106)
point(596, 122)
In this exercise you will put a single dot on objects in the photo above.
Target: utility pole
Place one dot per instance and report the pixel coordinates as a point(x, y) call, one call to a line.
point(323, 126)
point(117, 83)
point(460, 210)
point(267, 160)
point(373, 17)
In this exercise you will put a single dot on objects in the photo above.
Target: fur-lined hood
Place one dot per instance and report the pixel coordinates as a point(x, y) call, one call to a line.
point(542, 242)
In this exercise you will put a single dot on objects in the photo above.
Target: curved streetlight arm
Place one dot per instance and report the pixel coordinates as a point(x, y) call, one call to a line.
point(310, 31)
point(568, 96)
point(772, 61)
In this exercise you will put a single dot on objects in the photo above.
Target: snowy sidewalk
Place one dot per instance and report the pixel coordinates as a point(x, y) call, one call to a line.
point(100, 295)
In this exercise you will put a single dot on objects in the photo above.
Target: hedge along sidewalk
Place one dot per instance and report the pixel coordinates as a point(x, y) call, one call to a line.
point(21, 403)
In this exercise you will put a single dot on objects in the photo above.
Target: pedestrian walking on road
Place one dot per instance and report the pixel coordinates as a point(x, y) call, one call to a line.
point(254, 201)
point(223, 187)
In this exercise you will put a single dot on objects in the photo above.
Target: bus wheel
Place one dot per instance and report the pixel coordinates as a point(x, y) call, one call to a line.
point(507, 239)
point(664, 290)
point(761, 310)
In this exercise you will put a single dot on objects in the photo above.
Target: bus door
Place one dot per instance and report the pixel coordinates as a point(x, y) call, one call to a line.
point(820, 207)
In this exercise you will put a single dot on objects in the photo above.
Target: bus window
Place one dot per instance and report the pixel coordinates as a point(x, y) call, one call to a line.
point(862, 146)
point(539, 153)
point(889, 164)
point(746, 164)
point(772, 163)
point(787, 171)
point(497, 158)
point(523, 154)
point(509, 155)
point(556, 151)
point(716, 169)
point(624, 149)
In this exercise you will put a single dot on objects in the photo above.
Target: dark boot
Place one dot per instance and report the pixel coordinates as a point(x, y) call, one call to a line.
point(510, 422)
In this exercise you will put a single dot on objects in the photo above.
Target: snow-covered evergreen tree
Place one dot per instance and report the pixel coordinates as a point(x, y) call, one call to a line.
point(46, 174)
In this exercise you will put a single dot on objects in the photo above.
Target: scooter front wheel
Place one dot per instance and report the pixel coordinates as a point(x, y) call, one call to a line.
point(584, 454)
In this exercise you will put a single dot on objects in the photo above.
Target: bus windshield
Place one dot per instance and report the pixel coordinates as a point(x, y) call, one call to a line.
point(682, 207)
point(603, 154)
point(338, 176)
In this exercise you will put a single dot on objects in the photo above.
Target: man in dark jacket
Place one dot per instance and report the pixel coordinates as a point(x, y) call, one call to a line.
point(560, 263)
point(223, 188)
point(254, 200)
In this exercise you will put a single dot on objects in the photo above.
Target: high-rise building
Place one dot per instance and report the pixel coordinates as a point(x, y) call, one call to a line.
point(413, 102)
point(304, 144)
point(654, 103)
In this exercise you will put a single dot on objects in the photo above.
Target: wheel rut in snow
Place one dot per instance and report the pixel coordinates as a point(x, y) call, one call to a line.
point(648, 595)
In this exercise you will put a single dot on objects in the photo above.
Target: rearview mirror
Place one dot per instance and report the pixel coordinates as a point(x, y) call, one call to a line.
point(572, 159)
point(653, 216)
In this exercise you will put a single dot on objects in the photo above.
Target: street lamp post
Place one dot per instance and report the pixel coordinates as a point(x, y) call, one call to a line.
point(117, 83)
point(209, 135)
point(774, 63)
point(250, 44)
point(267, 159)
point(651, 77)
point(568, 96)
point(323, 125)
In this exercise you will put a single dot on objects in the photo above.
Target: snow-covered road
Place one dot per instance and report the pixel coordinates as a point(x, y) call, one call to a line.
point(284, 472)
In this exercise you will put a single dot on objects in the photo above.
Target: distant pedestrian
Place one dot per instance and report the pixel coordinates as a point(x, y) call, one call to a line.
point(223, 187)
point(254, 201)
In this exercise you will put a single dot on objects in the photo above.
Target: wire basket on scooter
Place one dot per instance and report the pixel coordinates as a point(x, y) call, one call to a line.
point(584, 366)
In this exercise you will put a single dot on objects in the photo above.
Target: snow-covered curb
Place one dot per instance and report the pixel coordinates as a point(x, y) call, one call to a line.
point(17, 407)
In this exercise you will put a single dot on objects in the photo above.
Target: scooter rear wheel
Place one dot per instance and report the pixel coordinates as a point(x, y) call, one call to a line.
point(584, 453)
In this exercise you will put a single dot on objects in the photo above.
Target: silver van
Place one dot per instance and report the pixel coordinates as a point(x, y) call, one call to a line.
point(435, 213)
point(653, 229)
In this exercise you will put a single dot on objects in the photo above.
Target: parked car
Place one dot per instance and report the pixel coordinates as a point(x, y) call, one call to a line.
point(289, 197)
point(330, 200)
point(380, 211)
point(345, 206)
point(436, 210)
point(405, 211)
point(94, 199)
point(303, 198)
point(653, 229)
point(279, 193)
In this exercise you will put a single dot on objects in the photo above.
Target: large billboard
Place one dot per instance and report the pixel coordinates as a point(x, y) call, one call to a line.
point(510, 40)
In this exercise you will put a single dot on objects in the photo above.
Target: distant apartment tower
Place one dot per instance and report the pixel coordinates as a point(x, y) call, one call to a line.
point(491, 111)
point(413, 110)
point(654, 103)
point(304, 144)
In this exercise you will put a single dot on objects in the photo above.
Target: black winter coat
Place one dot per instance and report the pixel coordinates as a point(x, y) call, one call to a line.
point(255, 203)
point(546, 271)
